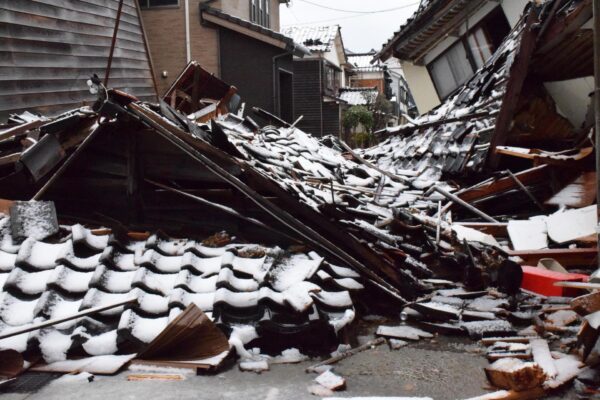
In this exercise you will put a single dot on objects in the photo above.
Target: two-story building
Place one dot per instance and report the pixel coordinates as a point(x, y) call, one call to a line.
point(318, 78)
point(446, 41)
point(237, 40)
point(368, 72)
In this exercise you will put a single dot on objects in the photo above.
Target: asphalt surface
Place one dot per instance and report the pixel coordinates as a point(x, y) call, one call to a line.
point(441, 368)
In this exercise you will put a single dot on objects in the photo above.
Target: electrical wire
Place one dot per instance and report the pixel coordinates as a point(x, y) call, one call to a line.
point(360, 12)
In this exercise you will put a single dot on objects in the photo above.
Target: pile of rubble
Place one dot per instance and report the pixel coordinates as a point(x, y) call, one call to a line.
point(184, 220)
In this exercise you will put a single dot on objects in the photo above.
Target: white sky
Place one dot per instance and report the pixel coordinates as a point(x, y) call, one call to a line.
point(360, 31)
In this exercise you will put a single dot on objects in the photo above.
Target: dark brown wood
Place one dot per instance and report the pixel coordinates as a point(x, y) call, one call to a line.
point(527, 177)
point(370, 344)
point(204, 153)
point(11, 132)
point(518, 73)
point(584, 257)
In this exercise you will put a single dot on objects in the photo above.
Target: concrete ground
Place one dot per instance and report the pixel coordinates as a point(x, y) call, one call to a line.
point(442, 368)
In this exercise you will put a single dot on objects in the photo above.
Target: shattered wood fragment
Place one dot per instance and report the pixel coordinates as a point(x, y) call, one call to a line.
point(567, 369)
point(514, 374)
point(190, 340)
point(542, 356)
point(331, 381)
point(319, 390)
point(403, 332)
point(369, 345)
point(586, 304)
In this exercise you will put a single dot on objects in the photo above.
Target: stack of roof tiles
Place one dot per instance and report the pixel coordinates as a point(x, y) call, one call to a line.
point(432, 147)
point(269, 290)
point(315, 38)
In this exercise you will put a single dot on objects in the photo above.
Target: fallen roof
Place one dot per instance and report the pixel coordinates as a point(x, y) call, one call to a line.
point(253, 30)
point(461, 136)
point(315, 38)
point(454, 138)
point(359, 96)
point(270, 293)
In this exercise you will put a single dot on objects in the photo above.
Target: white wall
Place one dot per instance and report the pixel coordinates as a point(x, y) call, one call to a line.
point(421, 87)
point(513, 9)
point(572, 98)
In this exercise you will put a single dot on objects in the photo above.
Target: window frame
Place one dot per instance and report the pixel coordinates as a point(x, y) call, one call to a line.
point(459, 42)
point(260, 12)
point(463, 40)
point(145, 5)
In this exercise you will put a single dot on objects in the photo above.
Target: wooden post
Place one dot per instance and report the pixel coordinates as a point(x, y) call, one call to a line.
point(597, 106)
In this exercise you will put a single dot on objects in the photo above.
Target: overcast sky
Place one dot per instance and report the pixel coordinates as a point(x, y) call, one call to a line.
point(361, 31)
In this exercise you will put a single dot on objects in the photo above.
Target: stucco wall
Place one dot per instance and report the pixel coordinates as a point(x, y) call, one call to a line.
point(421, 87)
point(513, 9)
point(572, 98)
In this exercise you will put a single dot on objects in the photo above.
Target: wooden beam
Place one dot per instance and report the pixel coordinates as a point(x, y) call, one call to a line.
point(518, 73)
point(497, 229)
point(567, 257)
point(527, 177)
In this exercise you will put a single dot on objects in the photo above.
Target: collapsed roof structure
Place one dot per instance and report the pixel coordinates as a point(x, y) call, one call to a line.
point(360, 229)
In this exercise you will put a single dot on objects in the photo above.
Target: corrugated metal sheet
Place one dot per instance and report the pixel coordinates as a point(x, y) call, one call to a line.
point(49, 48)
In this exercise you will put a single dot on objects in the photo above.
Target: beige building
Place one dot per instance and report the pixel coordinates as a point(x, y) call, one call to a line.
point(446, 42)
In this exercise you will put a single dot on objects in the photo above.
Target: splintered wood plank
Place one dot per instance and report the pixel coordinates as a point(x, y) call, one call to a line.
point(581, 192)
point(566, 257)
point(542, 356)
point(514, 374)
point(586, 304)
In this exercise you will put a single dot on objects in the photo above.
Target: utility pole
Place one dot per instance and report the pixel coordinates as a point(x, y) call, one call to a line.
point(596, 5)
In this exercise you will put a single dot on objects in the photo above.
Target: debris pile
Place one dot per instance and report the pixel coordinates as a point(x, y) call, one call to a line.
point(182, 219)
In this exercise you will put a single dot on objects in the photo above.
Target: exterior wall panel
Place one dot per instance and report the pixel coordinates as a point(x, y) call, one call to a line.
point(308, 96)
point(255, 81)
point(49, 51)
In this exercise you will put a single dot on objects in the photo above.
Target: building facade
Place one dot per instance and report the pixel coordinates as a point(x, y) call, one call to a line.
point(50, 49)
point(237, 40)
point(446, 41)
point(318, 78)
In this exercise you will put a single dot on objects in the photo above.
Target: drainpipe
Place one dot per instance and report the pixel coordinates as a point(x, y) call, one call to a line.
point(276, 105)
point(188, 47)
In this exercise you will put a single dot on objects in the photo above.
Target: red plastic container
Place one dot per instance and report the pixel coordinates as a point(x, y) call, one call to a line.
point(541, 281)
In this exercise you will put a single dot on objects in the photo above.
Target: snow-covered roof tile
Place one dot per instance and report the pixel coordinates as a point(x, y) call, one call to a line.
point(315, 38)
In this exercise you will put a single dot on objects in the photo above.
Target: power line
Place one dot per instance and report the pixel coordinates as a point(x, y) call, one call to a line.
point(336, 19)
point(360, 12)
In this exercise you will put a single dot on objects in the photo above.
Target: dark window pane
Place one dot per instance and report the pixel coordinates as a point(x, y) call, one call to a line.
point(161, 3)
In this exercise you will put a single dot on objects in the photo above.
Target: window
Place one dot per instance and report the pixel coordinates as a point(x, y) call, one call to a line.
point(457, 64)
point(331, 79)
point(158, 3)
point(260, 12)
point(451, 70)
point(480, 46)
